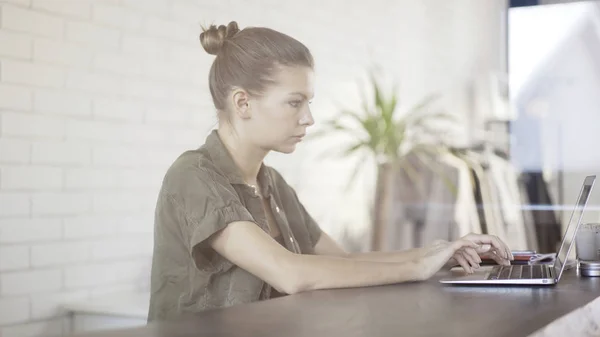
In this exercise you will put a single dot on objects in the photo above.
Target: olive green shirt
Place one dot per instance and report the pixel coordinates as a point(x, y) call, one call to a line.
point(202, 192)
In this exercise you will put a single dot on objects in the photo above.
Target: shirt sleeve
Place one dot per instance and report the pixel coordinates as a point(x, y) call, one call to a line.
point(208, 205)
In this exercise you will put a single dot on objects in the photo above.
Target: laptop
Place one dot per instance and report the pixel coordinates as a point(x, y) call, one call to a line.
point(537, 274)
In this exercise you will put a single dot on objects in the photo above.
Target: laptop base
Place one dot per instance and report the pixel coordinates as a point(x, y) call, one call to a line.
point(482, 277)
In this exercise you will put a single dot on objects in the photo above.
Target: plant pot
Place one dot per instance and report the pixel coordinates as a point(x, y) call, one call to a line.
point(384, 203)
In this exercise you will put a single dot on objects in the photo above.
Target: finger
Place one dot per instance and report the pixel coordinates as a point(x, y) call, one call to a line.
point(471, 252)
point(506, 249)
point(491, 247)
point(510, 255)
point(458, 244)
point(470, 259)
point(505, 253)
point(463, 263)
point(487, 251)
point(500, 260)
point(485, 248)
point(492, 240)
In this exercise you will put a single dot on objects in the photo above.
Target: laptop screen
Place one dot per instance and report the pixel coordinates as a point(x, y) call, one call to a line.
point(567, 241)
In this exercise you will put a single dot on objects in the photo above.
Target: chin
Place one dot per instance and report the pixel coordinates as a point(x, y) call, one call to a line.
point(285, 148)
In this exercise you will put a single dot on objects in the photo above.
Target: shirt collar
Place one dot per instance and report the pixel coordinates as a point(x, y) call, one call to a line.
point(224, 162)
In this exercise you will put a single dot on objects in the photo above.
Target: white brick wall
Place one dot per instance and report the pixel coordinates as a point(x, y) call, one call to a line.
point(15, 97)
point(61, 53)
point(61, 102)
point(48, 305)
point(31, 126)
point(66, 8)
point(92, 35)
point(14, 310)
point(15, 151)
point(59, 203)
point(59, 253)
point(30, 177)
point(25, 230)
point(42, 75)
point(103, 273)
point(52, 327)
point(14, 258)
point(12, 204)
point(30, 282)
point(86, 178)
point(61, 153)
point(98, 97)
point(32, 21)
point(15, 45)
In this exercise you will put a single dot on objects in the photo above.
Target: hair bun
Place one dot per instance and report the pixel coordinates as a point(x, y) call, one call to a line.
point(213, 38)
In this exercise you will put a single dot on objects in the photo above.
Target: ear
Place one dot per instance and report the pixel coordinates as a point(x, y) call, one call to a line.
point(241, 103)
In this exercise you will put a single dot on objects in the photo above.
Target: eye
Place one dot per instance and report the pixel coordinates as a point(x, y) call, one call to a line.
point(295, 104)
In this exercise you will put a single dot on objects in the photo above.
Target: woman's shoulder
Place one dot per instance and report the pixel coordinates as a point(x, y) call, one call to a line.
point(190, 167)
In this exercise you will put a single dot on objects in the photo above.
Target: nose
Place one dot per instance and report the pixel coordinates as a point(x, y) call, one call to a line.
point(307, 118)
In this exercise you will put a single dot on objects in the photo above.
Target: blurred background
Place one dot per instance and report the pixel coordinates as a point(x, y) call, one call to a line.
point(493, 106)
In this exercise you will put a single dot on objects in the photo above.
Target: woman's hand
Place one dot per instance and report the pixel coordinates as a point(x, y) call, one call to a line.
point(488, 246)
point(434, 257)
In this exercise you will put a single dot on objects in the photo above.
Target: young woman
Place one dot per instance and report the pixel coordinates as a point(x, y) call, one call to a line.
point(229, 229)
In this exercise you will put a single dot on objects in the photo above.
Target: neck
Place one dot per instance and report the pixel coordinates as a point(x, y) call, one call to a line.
point(247, 157)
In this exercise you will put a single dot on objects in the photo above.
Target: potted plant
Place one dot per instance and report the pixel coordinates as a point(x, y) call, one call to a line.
point(385, 135)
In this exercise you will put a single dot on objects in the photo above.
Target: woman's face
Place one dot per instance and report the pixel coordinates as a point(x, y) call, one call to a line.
point(278, 119)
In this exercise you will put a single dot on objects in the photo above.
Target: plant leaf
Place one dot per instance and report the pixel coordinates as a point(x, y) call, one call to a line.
point(355, 171)
point(327, 154)
point(353, 148)
point(410, 170)
point(438, 116)
point(416, 113)
point(351, 114)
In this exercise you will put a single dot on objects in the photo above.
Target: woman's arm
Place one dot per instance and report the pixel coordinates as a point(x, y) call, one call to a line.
point(487, 244)
point(327, 246)
point(250, 248)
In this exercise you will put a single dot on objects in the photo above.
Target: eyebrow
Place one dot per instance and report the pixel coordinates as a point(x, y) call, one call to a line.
point(298, 93)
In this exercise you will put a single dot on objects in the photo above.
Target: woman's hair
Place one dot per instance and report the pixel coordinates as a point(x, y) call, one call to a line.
point(248, 58)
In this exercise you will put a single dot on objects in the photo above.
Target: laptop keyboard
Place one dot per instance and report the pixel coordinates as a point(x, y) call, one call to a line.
point(519, 272)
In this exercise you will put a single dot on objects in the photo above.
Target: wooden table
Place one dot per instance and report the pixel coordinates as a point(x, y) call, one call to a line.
point(416, 309)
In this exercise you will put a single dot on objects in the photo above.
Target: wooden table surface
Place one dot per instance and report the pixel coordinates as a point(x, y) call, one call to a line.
point(415, 309)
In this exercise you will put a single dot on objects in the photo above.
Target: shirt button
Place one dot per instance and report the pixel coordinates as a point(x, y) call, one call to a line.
point(254, 190)
point(291, 239)
point(277, 209)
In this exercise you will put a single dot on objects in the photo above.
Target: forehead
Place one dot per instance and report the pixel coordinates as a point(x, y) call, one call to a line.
point(294, 79)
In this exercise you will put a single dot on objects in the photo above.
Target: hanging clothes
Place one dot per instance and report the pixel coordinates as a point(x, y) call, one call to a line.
point(424, 204)
point(466, 217)
point(441, 203)
point(410, 204)
point(456, 194)
point(478, 195)
point(488, 205)
point(438, 205)
point(528, 220)
point(547, 226)
point(505, 181)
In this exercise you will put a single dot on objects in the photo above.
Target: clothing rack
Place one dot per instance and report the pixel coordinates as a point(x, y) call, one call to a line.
point(486, 181)
point(487, 199)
